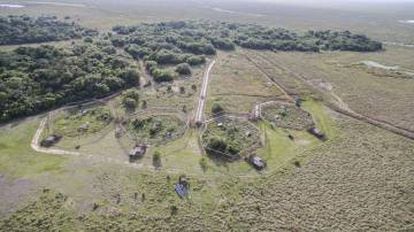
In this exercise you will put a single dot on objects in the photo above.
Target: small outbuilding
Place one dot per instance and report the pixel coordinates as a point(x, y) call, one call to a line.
point(50, 140)
point(257, 162)
point(317, 133)
point(137, 152)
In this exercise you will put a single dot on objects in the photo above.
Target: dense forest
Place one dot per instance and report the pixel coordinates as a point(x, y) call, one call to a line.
point(33, 79)
point(40, 78)
point(25, 29)
point(185, 43)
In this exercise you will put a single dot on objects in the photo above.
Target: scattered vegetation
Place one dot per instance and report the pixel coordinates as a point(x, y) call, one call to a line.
point(25, 29)
point(50, 212)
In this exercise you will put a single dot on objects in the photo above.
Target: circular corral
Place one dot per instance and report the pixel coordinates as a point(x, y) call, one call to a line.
point(156, 126)
point(230, 138)
point(76, 121)
point(286, 115)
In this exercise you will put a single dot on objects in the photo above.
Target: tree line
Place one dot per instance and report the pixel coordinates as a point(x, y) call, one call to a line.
point(189, 42)
point(25, 29)
point(33, 79)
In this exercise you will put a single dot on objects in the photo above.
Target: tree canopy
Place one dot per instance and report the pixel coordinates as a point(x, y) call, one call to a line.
point(33, 79)
point(25, 29)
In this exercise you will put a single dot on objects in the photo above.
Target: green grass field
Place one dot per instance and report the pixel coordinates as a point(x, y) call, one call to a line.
point(17, 158)
point(360, 179)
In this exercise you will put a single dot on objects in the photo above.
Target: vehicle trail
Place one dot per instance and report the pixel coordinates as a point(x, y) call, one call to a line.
point(203, 93)
point(338, 105)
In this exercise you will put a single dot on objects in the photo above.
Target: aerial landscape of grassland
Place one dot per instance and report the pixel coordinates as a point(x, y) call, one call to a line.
point(384, 97)
point(358, 178)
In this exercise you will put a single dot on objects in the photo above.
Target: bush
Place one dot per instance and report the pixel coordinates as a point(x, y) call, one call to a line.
point(130, 76)
point(195, 60)
point(130, 99)
point(137, 52)
point(150, 65)
point(203, 164)
point(217, 109)
point(223, 44)
point(183, 69)
point(161, 75)
point(217, 144)
point(156, 159)
point(129, 103)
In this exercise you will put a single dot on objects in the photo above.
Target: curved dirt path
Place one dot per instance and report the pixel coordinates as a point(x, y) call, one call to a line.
point(35, 142)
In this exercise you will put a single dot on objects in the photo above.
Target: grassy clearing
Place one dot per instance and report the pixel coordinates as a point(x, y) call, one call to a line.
point(182, 155)
point(84, 121)
point(382, 97)
point(238, 84)
point(321, 117)
point(223, 202)
point(17, 159)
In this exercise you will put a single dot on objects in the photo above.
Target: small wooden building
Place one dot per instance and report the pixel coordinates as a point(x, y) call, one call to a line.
point(257, 162)
point(317, 133)
point(50, 140)
point(137, 152)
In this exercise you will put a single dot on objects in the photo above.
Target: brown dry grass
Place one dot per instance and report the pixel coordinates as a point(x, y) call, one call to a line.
point(238, 84)
point(381, 97)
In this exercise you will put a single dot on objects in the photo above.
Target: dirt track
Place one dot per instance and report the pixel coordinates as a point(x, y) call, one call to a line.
point(337, 105)
point(203, 93)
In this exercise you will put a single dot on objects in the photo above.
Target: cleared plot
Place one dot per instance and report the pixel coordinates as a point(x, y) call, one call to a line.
point(381, 97)
point(238, 84)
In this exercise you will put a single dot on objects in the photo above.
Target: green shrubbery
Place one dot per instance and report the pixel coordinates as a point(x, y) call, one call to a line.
point(183, 69)
point(130, 99)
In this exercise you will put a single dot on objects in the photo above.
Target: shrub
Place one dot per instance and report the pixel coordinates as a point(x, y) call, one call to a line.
point(217, 109)
point(203, 164)
point(195, 60)
point(130, 98)
point(161, 75)
point(183, 69)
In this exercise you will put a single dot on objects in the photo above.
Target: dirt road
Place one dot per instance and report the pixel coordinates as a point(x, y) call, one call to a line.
point(338, 104)
point(203, 93)
point(35, 142)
